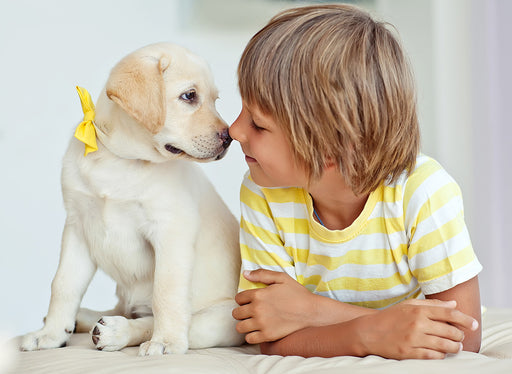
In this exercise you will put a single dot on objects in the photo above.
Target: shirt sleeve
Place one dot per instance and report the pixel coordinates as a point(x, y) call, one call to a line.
point(440, 252)
point(261, 245)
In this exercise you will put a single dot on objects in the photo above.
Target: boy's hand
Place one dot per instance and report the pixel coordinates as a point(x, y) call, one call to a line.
point(422, 329)
point(271, 313)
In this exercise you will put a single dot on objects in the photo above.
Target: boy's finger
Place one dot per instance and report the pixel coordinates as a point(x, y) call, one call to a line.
point(454, 317)
point(246, 326)
point(255, 337)
point(445, 331)
point(265, 276)
point(441, 345)
point(242, 312)
point(433, 302)
point(245, 297)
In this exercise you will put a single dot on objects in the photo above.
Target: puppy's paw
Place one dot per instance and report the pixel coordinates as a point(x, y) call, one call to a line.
point(44, 339)
point(152, 348)
point(111, 333)
point(86, 319)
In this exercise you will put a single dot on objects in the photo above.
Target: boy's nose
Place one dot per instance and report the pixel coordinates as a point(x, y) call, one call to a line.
point(234, 130)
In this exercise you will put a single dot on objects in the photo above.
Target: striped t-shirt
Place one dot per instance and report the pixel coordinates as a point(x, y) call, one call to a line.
point(409, 240)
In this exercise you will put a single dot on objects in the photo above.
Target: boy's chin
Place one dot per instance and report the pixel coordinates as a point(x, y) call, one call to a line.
point(264, 181)
point(259, 179)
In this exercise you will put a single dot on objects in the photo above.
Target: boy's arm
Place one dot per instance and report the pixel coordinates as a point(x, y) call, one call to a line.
point(418, 329)
point(467, 296)
point(289, 320)
point(285, 306)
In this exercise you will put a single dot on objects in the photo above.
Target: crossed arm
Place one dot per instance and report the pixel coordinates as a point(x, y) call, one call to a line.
point(286, 319)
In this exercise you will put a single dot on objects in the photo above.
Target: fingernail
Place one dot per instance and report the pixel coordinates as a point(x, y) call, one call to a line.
point(474, 326)
point(247, 273)
point(461, 347)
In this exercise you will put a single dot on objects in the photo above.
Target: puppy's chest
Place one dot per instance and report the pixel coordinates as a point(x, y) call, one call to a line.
point(117, 182)
point(114, 231)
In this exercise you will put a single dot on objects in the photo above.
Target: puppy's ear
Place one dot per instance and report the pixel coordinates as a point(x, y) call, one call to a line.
point(136, 84)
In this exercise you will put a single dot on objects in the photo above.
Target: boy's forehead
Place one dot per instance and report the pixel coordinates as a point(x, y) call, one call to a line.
point(256, 111)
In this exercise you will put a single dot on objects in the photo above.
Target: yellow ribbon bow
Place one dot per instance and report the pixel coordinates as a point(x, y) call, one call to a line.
point(86, 132)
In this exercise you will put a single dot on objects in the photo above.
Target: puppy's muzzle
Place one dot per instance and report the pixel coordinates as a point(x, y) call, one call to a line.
point(213, 148)
point(226, 141)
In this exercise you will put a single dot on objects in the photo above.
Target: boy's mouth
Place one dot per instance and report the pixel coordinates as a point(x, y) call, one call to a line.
point(249, 159)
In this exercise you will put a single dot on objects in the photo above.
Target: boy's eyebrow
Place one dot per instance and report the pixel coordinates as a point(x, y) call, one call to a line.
point(256, 117)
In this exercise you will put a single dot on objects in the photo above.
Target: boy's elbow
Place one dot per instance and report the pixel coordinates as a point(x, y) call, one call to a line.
point(472, 341)
point(270, 348)
point(472, 346)
point(283, 347)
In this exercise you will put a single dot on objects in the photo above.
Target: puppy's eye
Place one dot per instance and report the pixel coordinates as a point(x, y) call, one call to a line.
point(189, 96)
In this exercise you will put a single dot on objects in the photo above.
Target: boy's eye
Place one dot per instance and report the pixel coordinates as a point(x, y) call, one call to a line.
point(256, 127)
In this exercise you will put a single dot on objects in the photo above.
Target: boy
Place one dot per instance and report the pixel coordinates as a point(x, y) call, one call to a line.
point(344, 224)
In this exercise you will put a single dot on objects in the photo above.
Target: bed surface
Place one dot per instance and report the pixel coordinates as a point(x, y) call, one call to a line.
point(80, 356)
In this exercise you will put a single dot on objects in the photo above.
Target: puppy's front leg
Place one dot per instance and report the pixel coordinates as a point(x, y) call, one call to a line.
point(174, 258)
point(74, 274)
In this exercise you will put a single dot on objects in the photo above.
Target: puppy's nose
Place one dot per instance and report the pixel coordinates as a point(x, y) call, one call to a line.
point(226, 139)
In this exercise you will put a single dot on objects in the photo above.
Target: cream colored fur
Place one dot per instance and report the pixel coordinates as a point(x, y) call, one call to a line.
point(141, 211)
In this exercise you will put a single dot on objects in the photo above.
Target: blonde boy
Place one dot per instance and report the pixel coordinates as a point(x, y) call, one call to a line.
point(345, 227)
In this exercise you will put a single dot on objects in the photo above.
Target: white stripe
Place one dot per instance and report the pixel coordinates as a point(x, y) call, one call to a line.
point(421, 159)
point(258, 245)
point(289, 210)
point(387, 210)
point(423, 192)
point(257, 219)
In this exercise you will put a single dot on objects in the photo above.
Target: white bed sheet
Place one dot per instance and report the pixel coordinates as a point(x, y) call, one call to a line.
point(80, 356)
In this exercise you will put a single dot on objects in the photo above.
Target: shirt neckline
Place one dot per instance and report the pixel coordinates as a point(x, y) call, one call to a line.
point(324, 234)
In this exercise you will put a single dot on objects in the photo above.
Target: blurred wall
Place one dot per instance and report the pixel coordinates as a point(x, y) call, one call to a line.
point(47, 47)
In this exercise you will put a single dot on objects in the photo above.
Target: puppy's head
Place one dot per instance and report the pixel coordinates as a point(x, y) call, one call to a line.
point(170, 94)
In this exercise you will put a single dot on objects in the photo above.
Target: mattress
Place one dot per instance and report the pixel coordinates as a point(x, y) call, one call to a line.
point(80, 356)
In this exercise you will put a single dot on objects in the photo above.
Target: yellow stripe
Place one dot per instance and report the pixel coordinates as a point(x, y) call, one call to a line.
point(263, 258)
point(373, 226)
point(442, 234)
point(381, 225)
point(438, 200)
point(265, 236)
point(254, 201)
point(391, 194)
point(446, 265)
point(361, 257)
point(244, 284)
point(284, 195)
point(293, 225)
point(357, 284)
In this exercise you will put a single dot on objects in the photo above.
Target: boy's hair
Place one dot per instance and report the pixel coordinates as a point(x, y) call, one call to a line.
point(340, 86)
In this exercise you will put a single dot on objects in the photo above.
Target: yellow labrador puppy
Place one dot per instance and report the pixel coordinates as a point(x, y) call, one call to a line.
point(142, 212)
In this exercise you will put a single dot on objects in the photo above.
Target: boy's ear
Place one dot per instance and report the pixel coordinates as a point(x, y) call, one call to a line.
point(330, 164)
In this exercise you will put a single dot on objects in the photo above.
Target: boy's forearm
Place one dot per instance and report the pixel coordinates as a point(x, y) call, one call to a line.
point(324, 341)
point(467, 295)
point(421, 329)
point(328, 311)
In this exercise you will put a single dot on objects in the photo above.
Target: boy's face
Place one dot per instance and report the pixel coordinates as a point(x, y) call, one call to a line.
point(267, 151)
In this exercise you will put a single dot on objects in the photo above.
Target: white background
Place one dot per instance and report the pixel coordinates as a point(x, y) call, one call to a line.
point(48, 47)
